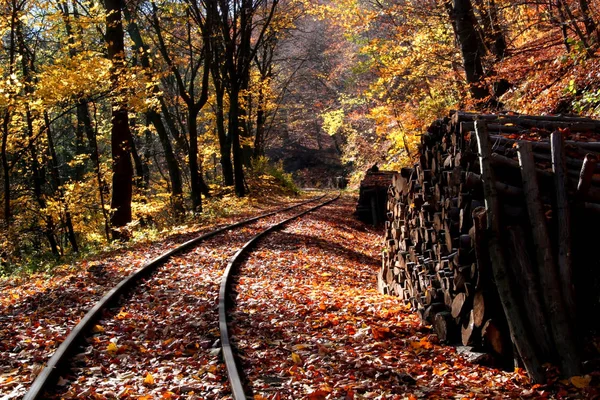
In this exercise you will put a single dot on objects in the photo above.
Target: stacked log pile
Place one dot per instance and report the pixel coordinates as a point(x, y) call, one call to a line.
point(485, 238)
point(372, 198)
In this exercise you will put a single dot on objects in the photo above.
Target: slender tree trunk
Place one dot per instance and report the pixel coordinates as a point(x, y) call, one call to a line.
point(55, 173)
point(238, 156)
point(121, 140)
point(27, 64)
point(261, 119)
point(142, 172)
point(590, 25)
point(102, 187)
point(6, 169)
point(493, 35)
point(38, 181)
point(80, 128)
point(156, 120)
point(564, 7)
point(182, 144)
point(193, 162)
point(224, 138)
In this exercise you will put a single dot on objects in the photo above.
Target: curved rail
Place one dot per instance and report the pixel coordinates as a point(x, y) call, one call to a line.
point(68, 346)
point(233, 369)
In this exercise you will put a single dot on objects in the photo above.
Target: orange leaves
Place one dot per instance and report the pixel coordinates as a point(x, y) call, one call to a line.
point(112, 348)
point(149, 379)
point(581, 382)
point(319, 394)
point(380, 333)
point(296, 359)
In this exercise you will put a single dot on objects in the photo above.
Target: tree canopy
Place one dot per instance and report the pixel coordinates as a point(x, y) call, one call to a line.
point(115, 114)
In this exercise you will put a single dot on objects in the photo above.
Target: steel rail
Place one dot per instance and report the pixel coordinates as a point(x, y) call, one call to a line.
point(70, 344)
point(233, 369)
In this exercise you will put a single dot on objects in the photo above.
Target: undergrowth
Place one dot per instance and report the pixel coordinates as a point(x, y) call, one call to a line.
point(154, 221)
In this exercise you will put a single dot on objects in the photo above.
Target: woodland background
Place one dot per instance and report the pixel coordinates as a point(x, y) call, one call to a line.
point(119, 118)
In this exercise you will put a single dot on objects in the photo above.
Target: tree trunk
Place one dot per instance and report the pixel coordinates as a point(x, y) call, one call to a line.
point(142, 172)
point(156, 120)
point(238, 155)
point(460, 12)
point(6, 169)
point(193, 162)
point(493, 35)
point(590, 25)
point(224, 138)
point(121, 140)
point(55, 173)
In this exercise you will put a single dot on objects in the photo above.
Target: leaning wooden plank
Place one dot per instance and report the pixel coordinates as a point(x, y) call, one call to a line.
point(529, 285)
point(508, 298)
point(563, 217)
point(586, 176)
point(555, 307)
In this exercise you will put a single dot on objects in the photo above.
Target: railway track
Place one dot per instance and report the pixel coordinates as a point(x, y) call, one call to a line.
point(109, 335)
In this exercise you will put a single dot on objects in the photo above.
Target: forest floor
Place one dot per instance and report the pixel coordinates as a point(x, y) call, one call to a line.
point(309, 324)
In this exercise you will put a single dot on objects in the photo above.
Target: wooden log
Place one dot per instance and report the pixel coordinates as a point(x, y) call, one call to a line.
point(552, 298)
point(530, 290)
point(467, 330)
point(493, 337)
point(432, 310)
point(478, 309)
point(563, 219)
point(444, 327)
point(473, 180)
point(542, 146)
point(507, 296)
point(586, 176)
point(458, 304)
point(459, 116)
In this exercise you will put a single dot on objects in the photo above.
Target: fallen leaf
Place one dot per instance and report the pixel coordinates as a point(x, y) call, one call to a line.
point(581, 382)
point(149, 379)
point(296, 358)
point(112, 348)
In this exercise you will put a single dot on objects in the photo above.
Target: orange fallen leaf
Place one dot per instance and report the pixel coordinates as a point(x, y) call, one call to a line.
point(112, 348)
point(581, 382)
point(380, 332)
point(296, 358)
point(149, 379)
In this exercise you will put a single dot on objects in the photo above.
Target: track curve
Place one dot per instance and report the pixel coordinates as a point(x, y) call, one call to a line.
point(233, 369)
point(58, 360)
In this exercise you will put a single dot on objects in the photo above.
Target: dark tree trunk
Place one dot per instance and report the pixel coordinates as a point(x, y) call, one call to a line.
point(238, 155)
point(493, 35)
point(121, 140)
point(6, 169)
point(224, 138)
point(57, 181)
point(27, 64)
point(193, 162)
point(590, 24)
point(461, 16)
point(82, 108)
point(142, 172)
point(38, 181)
point(156, 120)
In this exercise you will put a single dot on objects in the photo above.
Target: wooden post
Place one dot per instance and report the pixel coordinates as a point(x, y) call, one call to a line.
point(508, 298)
point(551, 293)
point(585, 176)
point(563, 217)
